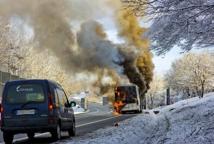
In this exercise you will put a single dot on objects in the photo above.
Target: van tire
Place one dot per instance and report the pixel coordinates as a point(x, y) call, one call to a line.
point(8, 137)
point(30, 135)
point(72, 131)
point(56, 133)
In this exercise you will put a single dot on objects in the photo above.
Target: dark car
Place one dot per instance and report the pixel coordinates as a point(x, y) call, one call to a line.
point(31, 106)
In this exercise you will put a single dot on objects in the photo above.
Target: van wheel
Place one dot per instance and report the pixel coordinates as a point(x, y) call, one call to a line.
point(30, 135)
point(56, 133)
point(8, 137)
point(72, 131)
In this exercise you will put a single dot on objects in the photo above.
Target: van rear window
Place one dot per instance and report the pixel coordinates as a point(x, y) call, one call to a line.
point(25, 93)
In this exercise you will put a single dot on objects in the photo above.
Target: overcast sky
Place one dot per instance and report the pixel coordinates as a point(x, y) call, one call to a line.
point(163, 63)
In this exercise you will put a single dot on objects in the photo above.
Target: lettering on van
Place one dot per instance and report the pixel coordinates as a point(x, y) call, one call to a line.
point(21, 89)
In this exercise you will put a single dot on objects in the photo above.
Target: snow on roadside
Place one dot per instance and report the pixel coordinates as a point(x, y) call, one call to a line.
point(191, 121)
point(78, 110)
point(186, 122)
point(124, 133)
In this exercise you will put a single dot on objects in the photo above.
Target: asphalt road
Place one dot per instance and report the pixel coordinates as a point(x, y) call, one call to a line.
point(98, 117)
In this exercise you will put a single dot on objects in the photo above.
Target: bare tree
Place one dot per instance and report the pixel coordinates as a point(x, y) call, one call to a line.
point(157, 87)
point(185, 23)
point(192, 74)
point(11, 55)
point(3, 45)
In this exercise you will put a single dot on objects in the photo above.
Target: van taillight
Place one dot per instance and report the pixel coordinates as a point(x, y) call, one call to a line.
point(51, 119)
point(50, 103)
point(1, 109)
point(50, 107)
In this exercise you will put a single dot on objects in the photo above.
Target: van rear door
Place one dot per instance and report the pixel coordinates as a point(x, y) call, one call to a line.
point(25, 104)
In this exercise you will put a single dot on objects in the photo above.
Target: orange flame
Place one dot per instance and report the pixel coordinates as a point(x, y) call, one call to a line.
point(118, 105)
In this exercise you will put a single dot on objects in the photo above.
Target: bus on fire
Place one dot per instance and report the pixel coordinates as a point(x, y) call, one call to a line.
point(127, 99)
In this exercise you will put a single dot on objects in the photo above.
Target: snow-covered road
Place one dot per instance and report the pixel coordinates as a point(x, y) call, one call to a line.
point(186, 122)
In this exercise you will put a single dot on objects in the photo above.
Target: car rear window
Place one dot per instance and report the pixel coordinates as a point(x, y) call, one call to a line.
point(25, 93)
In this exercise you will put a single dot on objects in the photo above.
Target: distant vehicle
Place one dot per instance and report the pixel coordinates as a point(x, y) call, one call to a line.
point(127, 98)
point(31, 106)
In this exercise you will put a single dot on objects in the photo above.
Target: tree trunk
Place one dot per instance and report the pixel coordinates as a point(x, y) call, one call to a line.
point(188, 93)
point(202, 90)
point(151, 99)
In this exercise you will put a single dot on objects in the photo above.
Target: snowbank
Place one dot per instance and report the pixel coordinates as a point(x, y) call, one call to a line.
point(189, 121)
point(78, 110)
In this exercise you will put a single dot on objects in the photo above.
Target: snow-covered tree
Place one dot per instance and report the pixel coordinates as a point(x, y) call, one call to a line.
point(155, 95)
point(11, 55)
point(185, 23)
point(3, 45)
point(192, 74)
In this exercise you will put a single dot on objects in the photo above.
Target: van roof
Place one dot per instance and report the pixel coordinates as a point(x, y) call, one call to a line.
point(33, 80)
point(23, 80)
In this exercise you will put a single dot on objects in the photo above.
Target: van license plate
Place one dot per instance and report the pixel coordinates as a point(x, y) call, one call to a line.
point(25, 112)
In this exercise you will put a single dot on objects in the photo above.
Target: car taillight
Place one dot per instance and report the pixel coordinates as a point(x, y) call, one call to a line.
point(51, 118)
point(50, 107)
point(50, 103)
point(1, 109)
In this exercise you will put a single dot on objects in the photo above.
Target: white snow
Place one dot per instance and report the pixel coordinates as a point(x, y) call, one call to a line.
point(186, 122)
point(78, 109)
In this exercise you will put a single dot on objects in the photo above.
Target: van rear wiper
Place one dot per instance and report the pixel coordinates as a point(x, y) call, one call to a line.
point(28, 102)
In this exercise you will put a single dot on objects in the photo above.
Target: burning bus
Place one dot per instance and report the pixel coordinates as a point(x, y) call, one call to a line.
point(127, 99)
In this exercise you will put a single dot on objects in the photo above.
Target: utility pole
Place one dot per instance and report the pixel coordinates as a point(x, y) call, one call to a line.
point(168, 96)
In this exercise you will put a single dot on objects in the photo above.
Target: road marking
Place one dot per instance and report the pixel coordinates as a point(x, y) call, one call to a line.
point(42, 134)
point(96, 121)
point(25, 138)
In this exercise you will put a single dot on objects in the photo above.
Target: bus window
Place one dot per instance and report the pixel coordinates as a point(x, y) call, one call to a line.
point(126, 94)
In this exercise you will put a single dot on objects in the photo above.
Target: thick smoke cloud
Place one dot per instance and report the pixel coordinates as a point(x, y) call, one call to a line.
point(140, 69)
point(96, 50)
point(50, 20)
point(130, 68)
point(88, 49)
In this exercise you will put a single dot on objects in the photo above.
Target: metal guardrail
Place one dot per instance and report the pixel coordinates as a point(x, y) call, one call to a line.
point(5, 76)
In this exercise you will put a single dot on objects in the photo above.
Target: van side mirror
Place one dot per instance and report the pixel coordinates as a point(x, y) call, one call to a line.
point(67, 105)
point(73, 103)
